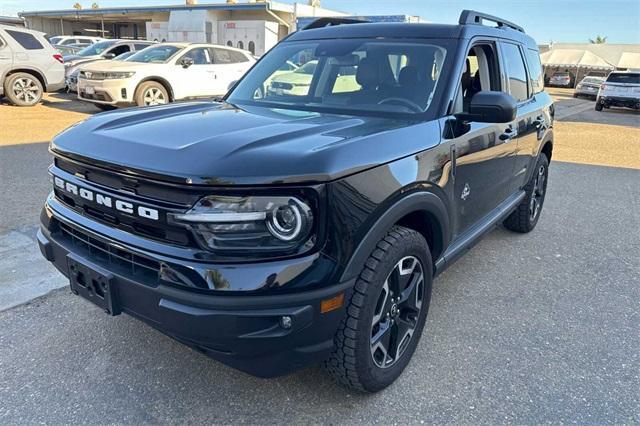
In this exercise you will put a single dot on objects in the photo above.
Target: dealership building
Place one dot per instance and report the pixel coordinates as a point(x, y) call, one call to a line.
point(255, 26)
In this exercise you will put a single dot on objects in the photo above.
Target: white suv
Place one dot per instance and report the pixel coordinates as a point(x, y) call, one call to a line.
point(65, 40)
point(622, 89)
point(29, 66)
point(163, 73)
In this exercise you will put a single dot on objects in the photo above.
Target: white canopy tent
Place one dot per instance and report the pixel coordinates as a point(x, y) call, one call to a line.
point(575, 59)
point(629, 60)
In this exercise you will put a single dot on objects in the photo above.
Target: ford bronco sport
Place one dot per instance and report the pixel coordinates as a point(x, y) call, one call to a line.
point(276, 228)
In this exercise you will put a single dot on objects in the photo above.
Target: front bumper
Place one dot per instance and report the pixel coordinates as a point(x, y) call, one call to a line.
point(107, 92)
point(241, 330)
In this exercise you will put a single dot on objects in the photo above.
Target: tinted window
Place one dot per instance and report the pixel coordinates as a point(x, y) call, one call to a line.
point(223, 56)
point(199, 55)
point(535, 70)
point(139, 46)
point(629, 78)
point(25, 40)
point(516, 71)
point(84, 41)
point(119, 50)
point(237, 56)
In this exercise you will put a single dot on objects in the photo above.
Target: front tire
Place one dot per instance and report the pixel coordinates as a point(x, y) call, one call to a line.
point(23, 89)
point(525, 217)
point(598, 106)
point(151, 93)
point(386, 314)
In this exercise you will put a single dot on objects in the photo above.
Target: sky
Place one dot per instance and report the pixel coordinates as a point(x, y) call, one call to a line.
point(546, 20)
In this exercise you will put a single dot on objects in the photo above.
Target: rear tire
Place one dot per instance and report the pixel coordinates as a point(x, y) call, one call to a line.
point(525, 217)
point(386, 313)
point(23, 89)
point(151, 93)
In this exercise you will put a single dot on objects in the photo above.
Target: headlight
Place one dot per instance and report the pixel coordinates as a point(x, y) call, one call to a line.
point(257, 224)
point(118, 75)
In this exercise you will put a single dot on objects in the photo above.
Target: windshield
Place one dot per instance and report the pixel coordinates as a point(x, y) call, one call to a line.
point(348, 75)
point(124, 56)
point(96, 49)
point(154, 54)
point(629, 78)
point(55, 40)
point(597, 80)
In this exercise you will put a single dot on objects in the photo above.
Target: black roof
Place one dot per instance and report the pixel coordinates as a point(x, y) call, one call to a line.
point(354, 29)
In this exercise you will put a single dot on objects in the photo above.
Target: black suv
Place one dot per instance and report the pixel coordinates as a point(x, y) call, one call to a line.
point(305, 222)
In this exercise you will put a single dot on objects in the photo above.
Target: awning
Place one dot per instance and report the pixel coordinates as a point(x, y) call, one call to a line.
point(572, 58)
point(629, 60)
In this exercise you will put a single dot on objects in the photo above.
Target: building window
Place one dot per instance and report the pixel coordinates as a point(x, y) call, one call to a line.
point(240, 45)
point(230, 43)
point(252, 47)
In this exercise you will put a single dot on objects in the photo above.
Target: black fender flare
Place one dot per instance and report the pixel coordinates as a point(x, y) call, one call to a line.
point(422, 201)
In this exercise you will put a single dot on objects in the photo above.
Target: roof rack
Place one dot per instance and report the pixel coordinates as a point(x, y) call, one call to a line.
point(330, 22)
point(473, 17)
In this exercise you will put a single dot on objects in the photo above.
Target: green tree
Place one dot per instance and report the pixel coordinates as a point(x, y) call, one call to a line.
point(77, 6)
point(95, 6)
point(598, 40)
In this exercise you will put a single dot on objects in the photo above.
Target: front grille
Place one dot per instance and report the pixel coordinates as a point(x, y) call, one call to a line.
point(118, 260)
point(98, 96)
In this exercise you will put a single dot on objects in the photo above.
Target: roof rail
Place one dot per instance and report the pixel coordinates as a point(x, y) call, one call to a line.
point(473, 17)
point(332, 21)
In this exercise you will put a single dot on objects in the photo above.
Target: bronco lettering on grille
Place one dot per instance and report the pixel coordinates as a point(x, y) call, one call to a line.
point(105, 200)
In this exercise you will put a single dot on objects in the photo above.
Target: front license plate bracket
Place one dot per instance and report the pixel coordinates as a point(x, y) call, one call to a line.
point(93, 283)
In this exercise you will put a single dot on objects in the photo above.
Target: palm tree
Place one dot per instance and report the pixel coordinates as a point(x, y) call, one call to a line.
point(77, 6)
point(598, 40)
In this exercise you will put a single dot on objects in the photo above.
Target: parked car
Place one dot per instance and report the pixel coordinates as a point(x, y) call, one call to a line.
point(104, 50)
point(298, 82)
point(29, 66)
point(70, 49)
point(72, 74)
point(163, 73)
point(589, 87)
point(278, 231)
point(621, 89)
point(561, 79)
point(65, 40)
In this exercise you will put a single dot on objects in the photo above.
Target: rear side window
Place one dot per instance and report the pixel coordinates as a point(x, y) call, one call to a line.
point(140, 46)
point(26, 40)
point(516, 71)
point(627, 77)
point(238, 57)
point(535, 71)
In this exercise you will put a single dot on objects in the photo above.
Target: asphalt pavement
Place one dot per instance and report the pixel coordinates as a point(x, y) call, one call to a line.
point(537, 328)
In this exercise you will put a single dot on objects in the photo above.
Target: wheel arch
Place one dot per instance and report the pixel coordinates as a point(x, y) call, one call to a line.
point(34, 72)
point(159, 80)
point(423, 212)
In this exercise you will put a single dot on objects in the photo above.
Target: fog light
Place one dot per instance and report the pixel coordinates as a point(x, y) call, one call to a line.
point(286, 322)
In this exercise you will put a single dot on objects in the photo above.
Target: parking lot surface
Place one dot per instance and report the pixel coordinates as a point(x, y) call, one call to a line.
point(536, 328)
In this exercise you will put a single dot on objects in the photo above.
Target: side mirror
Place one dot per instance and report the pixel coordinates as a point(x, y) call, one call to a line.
point(491, 107)
point(186, 62)
point(109, 55)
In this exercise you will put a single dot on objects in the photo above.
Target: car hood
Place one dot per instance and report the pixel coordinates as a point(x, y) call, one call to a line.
point(121, 66)
point(77, 60)
point(220, 144)
point(294, 78)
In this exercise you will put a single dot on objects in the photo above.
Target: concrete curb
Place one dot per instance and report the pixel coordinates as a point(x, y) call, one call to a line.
point(24, 273)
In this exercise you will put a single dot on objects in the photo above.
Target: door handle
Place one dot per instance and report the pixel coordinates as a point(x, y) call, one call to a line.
point(508, 134)
point(538, 122)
